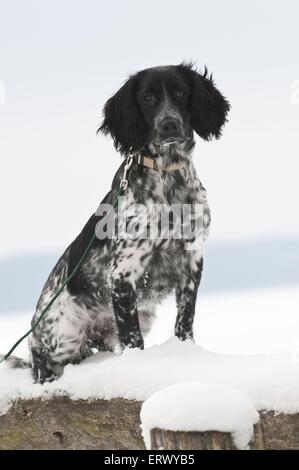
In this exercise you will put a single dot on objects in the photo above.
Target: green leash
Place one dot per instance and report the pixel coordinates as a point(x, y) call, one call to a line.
point(122, 188)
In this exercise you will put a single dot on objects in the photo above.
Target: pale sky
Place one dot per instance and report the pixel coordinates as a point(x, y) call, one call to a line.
point(61, 60)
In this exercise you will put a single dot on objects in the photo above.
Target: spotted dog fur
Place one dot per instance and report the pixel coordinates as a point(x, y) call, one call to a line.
point(111, 301)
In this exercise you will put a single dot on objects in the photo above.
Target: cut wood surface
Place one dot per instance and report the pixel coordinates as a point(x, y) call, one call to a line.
point(61, 423)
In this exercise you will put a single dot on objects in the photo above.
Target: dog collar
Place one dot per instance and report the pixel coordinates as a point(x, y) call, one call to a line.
point(151, 163)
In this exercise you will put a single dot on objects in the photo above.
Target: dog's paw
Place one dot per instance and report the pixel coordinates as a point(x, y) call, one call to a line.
point(184, 335)
point(134, 340)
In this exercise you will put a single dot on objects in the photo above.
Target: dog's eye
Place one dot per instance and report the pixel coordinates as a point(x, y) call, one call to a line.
point(180, 94)
point(148, 98)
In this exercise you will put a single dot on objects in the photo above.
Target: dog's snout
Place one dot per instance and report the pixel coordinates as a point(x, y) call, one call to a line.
point(170, 128)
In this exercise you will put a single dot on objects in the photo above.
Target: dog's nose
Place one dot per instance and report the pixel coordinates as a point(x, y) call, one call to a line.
point(169, 128)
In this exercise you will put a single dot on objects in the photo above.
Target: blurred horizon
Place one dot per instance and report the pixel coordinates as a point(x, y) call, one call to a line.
point(228, 266)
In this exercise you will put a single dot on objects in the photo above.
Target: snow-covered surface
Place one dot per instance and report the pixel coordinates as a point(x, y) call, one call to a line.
point(232, 330)
point(271, 381)
point(200, 406)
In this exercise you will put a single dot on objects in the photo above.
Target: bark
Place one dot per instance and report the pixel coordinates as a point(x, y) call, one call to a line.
point(60, 423)
point(281, 430)
point(177, 440)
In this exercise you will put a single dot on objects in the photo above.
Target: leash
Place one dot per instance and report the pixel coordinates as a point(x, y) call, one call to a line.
point(122, 187)
point(141, 160)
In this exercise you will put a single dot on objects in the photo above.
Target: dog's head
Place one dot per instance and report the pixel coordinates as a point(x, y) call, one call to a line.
point(162, 106)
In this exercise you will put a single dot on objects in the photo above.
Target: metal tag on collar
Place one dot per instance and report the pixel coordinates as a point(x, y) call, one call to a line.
point(124, 182)
point(148, 162)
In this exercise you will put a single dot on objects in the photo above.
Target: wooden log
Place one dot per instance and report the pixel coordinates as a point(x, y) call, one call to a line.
point(281, 430)
point(60, 423)
point(208, 440)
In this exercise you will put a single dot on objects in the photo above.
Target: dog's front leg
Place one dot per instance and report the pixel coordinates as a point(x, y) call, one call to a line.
point(128, 267)
point(125, 311)
point(186, 293)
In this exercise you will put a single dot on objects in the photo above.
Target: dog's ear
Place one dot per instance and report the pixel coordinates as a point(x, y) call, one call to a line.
point(123, 119)
point(208, 107)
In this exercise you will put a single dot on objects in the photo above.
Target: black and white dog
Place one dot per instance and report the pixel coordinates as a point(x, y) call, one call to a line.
point(111, 300)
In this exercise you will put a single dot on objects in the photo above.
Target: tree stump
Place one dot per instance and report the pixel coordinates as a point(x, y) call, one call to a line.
point(162, 439)
point(177, 440)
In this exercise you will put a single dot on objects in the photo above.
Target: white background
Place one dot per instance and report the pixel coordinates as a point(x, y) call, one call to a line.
point(61, 60)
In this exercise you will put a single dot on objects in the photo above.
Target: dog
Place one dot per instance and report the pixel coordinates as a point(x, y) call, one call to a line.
point(110, 303)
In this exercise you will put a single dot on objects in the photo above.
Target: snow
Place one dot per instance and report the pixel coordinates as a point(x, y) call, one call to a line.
point(271, 381)
point(200, 406)
point(240, 322)
point(245, 340)
point(12, 327)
